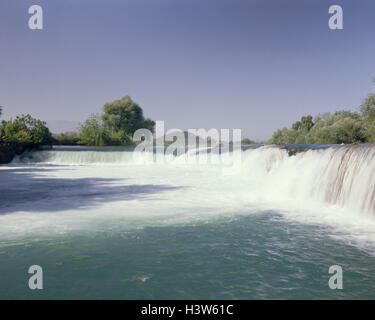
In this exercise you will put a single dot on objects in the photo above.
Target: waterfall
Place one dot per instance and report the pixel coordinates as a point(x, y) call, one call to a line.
point(338, 175)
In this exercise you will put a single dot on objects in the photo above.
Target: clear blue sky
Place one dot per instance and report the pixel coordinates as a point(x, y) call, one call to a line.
point(252, 64)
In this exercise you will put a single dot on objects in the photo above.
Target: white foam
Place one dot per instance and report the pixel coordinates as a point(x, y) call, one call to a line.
point(334, 187)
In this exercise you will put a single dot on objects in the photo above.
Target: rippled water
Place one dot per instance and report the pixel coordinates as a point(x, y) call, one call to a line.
point(129, 231)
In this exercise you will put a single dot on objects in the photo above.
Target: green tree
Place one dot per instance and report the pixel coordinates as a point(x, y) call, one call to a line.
point(25, 131)
point(340, 127)
point(297, 125)
point(125, 115)
point(368, 107)
point(307, 123)
point(368, 114)
point(92, 132)
point(116, 126)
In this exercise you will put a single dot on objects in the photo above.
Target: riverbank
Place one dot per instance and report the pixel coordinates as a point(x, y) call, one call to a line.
point(7, 154)
point(6, 157)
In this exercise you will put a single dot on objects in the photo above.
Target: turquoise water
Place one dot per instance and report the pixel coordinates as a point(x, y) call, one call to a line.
point(256, 257)
point(170, 232)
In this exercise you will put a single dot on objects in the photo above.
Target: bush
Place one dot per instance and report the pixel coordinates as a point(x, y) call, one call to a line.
point(125, 115)
point(116, 126)
point(24, 132)
point(66, 139)
point(337, 128)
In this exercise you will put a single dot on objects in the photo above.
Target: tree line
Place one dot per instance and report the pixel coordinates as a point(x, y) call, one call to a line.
point(114, 127)
point(120, 118)
point(23, 132)
point(337, 128)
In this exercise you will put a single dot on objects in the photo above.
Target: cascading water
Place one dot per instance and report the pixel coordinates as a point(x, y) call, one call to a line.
point(135, 230)
point(348, 178)
point(339, 175)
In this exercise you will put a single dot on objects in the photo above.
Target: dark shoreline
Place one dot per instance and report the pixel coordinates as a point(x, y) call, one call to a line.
point(6, 156)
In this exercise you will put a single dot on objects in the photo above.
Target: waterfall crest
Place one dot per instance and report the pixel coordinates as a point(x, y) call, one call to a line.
point(339, 175)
